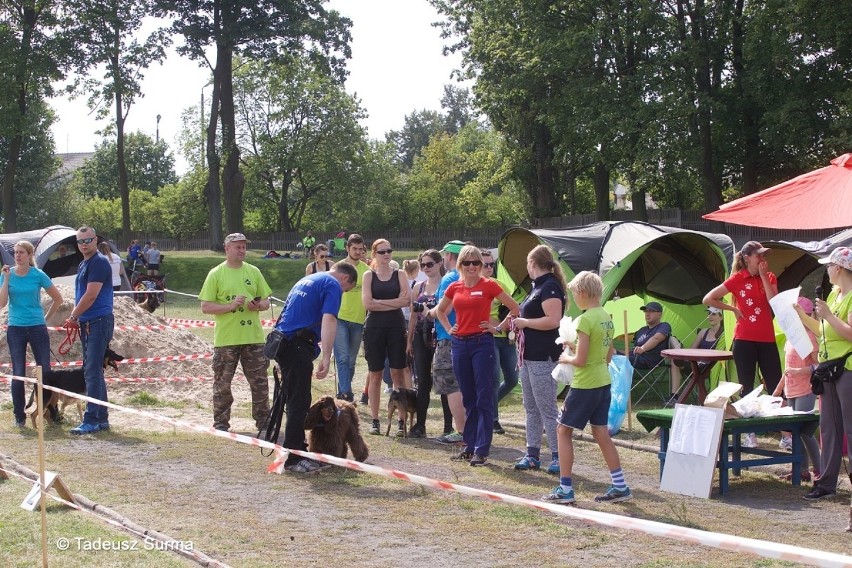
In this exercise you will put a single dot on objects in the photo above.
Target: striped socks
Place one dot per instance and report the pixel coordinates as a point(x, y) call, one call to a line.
point(618, 482)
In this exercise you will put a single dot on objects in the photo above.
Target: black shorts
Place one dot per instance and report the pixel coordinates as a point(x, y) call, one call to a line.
point(153, 267)
point(382, 343)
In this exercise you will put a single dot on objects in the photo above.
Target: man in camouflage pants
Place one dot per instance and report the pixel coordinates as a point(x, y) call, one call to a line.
point(235, 293)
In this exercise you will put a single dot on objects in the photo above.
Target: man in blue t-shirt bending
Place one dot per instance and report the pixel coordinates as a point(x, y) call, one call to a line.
point(93, 316)
point(309, 316)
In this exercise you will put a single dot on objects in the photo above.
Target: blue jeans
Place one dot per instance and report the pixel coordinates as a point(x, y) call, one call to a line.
point(505, 370)
point(346, 344)
point(95, 336)
point(18, 337)
point(473, 365)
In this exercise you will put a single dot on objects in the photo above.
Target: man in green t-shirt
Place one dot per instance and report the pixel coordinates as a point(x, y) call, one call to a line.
point(350, 320)
point(235, 293)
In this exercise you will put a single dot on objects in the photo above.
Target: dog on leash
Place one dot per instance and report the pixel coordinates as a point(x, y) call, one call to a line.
point(72, 380)
point(404, 401)
point(333, 426)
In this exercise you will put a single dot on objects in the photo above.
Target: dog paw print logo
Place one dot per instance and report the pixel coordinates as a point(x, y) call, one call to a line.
point(757, 311)
point(247, 282)
point(748, 286)
point(749, 302)
point(752, 319)
point(742, 294)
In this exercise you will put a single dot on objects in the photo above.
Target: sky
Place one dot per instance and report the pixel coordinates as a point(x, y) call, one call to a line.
point(397, 66)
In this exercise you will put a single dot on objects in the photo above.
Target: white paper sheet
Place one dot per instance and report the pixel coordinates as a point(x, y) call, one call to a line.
point(692, 431)
point(789, 322)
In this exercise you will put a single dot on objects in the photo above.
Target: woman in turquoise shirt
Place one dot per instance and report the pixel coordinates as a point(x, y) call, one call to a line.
point(20, 288)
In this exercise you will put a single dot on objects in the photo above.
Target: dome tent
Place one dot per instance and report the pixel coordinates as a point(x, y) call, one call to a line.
point(46, 243)
point(637, 261)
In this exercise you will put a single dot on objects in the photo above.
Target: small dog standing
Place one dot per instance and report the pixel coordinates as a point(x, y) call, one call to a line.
point(72, 380)
point(404, 400)
point(333, 425)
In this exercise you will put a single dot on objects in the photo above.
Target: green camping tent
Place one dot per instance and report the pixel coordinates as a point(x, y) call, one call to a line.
point(638, 262)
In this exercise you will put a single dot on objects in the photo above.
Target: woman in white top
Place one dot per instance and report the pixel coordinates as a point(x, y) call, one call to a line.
point(114, 262)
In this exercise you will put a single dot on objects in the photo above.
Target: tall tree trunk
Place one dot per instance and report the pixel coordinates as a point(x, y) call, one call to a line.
point(745, 106)
point(601, 191)
point(545, 195)
point(233, 181)
point(212, 189)
point(284, 202)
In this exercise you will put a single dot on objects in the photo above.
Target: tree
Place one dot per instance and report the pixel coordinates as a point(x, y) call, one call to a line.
point(260, 29)
point(34, 53)
point(417, 131)
point(106, 30)
point(148, 166)
point(299, 131)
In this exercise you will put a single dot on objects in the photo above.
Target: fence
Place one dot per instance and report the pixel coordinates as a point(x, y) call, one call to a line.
point(419, 239)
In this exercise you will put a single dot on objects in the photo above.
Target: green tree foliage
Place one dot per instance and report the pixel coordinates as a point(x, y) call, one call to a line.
point(33, 52)
point(149, 164)
point(260, 29)
point(298, 131)
point(463, 180)
point(418, 129)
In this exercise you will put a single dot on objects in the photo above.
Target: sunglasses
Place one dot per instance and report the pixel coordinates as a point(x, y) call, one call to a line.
point(385, 251)
point(85, 241)
point(471, 263)
point(321, 257)
point(427, 264)
point(490, 264)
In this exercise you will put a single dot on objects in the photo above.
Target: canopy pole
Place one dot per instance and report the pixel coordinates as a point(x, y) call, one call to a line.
point(630, 391)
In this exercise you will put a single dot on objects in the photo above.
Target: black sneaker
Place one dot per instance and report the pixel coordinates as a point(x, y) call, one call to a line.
point(365, 399)
point(497, 428)
point(347, 396)
point(817, 493)
point(375, 429)
point(417, 432)
point(463, 455)
point(478, 460)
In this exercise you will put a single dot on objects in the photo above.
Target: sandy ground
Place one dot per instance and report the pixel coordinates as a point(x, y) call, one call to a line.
point(138, 344)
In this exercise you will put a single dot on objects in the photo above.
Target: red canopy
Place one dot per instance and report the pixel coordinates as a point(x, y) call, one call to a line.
point(821, 199)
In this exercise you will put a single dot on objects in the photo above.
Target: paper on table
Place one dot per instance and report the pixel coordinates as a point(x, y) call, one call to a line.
point(692, 431)
point(789, 322)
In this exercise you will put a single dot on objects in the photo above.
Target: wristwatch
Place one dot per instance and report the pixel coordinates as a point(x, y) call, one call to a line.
point(73, 318)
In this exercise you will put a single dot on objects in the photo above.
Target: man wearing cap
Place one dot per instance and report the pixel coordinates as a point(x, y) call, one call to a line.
point(443, 377)
point(649, 342)
point(350, 320)
point(235, 293)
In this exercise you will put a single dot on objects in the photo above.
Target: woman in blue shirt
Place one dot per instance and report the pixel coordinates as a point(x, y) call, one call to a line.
point(20, 288)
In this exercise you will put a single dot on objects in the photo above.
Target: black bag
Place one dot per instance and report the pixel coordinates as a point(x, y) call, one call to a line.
point(828, 372)
point(273, 344)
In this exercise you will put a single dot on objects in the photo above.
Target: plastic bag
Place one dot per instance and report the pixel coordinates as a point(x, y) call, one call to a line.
point(563, 374)
point(748, 405)
point(567, 331)
point(621, 374)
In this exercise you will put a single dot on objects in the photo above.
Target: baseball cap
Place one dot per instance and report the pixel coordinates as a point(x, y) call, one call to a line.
point(713, 310)
point(453, 247)
point(806, 305)
point(652, 307)
point(753, 247)
point(841, 256)
point(236, 237)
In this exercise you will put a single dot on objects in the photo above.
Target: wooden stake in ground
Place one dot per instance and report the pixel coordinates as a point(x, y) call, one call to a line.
point(41, 479)
point(629, 392)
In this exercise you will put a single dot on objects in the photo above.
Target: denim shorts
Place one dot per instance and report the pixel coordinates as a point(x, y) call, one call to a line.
point(586, 406)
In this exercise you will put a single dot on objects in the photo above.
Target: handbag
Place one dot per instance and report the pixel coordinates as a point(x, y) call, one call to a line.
point(273, 344)
point(828, 372)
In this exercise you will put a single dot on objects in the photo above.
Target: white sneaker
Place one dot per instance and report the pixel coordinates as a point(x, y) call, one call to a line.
point(750, 440)
point(786, 443)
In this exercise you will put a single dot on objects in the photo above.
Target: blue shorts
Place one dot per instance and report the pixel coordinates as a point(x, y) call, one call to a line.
point(586, 406)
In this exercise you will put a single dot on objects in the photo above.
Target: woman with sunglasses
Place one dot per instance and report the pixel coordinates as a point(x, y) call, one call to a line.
point(384, 293)
point(321, 264)
point(421, 339)
point(473, 349)
point(835, 415)
point(752, 286)
point(20, 288)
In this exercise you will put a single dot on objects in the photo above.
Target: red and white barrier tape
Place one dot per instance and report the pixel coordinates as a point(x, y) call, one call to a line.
point(721, 541)
point(129, 361)
point(155, 379)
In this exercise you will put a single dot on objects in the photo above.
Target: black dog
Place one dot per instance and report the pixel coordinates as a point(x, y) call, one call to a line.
point(404, 400)
point(72, 380)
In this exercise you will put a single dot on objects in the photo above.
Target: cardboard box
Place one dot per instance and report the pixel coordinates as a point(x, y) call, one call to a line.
point(720, 397)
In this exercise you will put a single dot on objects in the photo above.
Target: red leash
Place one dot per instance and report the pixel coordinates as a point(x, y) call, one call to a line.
point(68, 342)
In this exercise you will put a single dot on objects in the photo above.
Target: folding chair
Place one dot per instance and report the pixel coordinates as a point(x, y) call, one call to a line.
point(659, 380)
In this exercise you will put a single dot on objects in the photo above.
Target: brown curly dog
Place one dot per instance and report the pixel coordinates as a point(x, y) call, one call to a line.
point(333, 425)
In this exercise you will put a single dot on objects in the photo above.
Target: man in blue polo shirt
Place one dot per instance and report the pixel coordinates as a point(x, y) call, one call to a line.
point(309, 315)
point(93, 316)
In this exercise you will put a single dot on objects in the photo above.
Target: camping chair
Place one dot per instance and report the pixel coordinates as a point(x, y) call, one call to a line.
point(659, 380)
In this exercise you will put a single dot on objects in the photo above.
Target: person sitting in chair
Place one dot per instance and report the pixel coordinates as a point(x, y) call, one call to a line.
point(649, 342)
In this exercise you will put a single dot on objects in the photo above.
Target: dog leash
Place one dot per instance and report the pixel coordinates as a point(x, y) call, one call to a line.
point(68, 342)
